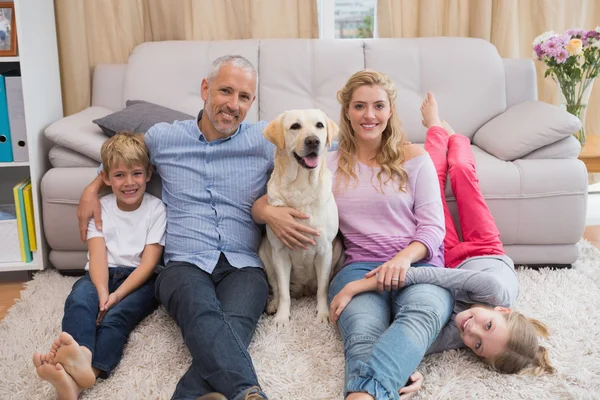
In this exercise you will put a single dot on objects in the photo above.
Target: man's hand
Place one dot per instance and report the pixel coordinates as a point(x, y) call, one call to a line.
point(416, 384)
point(292, 233)
point(390, 275)
point(89, 206)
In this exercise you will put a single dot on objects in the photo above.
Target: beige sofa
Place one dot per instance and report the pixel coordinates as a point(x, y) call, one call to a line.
point(526, 157)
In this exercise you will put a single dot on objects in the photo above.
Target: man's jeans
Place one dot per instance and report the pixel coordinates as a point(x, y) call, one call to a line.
point(386, 334)
point(217, 314)
point(106, 341)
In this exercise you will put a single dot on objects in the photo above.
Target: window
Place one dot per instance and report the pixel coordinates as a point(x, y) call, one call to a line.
point(344, 19)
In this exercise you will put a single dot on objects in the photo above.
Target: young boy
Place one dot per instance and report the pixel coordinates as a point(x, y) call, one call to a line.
point(117, 292)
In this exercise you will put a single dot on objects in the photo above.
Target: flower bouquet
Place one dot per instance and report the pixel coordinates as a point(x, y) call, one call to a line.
point(573, 60)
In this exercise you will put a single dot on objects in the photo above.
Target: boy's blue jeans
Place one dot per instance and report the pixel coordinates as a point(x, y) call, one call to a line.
point(217, 314)
point(386, 334)
point(107, 340)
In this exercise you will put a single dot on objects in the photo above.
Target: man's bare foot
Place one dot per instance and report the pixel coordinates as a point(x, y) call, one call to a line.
point(447, 128)
point(429, 110)
point(65, 385)
point(76, 359)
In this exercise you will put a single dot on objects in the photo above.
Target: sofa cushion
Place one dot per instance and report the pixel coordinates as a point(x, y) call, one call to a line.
point(524, 128)
point(138, 116)
point(77, 132)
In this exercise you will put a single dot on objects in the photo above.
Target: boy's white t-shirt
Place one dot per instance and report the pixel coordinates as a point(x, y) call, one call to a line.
point(126, 233)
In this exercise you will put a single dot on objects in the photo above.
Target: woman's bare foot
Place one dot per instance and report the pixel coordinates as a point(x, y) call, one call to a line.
point(447, 128)
point(359, 396)
point(65, 385)
point(429, 110)
point(76, 359)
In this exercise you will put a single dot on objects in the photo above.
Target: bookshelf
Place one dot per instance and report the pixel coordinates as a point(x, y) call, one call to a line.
point(42, 98)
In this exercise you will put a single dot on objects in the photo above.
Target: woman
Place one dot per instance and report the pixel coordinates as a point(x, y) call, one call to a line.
point(484, 274)
point(391, 218)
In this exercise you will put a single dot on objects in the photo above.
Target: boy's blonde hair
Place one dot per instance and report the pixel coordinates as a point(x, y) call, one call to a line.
point(391, 156)
point(523, 354)
point(126, 147)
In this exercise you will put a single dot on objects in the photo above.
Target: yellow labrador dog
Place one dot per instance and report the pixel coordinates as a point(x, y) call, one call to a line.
point(301, 180)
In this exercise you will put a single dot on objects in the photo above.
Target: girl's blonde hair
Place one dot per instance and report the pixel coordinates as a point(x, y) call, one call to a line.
point(391, 156)
point(523, 354)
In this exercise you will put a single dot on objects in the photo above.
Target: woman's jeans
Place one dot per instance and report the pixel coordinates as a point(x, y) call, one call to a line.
point(387, 334)
point(107, 340)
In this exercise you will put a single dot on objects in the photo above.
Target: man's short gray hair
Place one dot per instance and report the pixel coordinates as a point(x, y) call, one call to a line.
point(233, 60)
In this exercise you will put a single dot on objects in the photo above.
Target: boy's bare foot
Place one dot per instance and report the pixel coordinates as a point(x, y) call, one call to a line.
point(65, 385)
point(447, 128)
point(76, 359)
point(429, 110)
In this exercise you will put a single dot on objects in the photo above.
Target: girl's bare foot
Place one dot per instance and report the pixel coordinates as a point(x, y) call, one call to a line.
point(76, 359)
point(65, 385)
point(447, 128)
point(429, 110)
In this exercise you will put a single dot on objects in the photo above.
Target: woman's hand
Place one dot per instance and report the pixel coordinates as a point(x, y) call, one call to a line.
point(339, 303)
point(390, 275)
point(416, 384)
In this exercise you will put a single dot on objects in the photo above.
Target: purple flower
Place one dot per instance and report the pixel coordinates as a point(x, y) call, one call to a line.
point(576, 32)
point(562, 56)
point(592, 34)
point(551, 46)
point(538, 50)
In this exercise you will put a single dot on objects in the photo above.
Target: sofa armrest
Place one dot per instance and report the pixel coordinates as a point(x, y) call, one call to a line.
point(77, 132)
point(567, 148)
point(524, 128)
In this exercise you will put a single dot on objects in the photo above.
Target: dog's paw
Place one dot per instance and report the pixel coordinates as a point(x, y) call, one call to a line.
point(281, 319)
point(323, 316)
point(272, 307)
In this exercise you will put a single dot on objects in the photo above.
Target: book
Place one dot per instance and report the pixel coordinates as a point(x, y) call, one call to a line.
point(26, 255)
point(29, 217)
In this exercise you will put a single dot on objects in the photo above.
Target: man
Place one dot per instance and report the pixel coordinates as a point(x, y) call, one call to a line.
point(213, 170)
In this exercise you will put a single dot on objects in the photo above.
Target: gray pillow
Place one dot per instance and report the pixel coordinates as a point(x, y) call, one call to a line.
point(138, 116)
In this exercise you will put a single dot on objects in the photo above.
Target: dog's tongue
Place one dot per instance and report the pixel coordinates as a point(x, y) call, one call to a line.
point(311, 161)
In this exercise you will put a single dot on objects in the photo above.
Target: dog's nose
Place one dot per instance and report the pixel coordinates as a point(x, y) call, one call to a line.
point(312, 142)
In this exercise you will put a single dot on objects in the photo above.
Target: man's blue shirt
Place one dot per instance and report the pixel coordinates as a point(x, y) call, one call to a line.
point(209, 189)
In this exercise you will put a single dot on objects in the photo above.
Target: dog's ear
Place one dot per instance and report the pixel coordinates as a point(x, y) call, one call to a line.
point(274, 132)
point(332, 131)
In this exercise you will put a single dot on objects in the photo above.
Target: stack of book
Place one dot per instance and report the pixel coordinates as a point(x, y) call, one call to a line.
point(17, 224)
point(13, 133)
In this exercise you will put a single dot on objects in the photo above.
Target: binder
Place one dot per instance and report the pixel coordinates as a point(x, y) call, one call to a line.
point(21, 221)
point(29, 217)
point(16, 118)
point(6, 154)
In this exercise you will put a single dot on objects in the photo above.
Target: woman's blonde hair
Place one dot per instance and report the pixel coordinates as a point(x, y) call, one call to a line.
point(523, 354)
point(392, 153)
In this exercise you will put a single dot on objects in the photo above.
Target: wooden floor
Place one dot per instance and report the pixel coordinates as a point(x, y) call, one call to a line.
point(11, 284)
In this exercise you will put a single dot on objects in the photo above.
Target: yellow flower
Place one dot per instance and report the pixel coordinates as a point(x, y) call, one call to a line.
point(574, 47)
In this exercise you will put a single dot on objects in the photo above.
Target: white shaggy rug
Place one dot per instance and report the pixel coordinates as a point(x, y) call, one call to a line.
point(304, 361)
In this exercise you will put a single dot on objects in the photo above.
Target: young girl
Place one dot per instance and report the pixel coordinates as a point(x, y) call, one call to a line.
point(483, 276)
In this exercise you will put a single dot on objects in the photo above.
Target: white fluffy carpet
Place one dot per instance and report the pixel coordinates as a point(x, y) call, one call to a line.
point(305, 359)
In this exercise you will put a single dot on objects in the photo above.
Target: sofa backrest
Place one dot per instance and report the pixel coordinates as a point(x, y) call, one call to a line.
point(467, 75)
point(169, 73)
